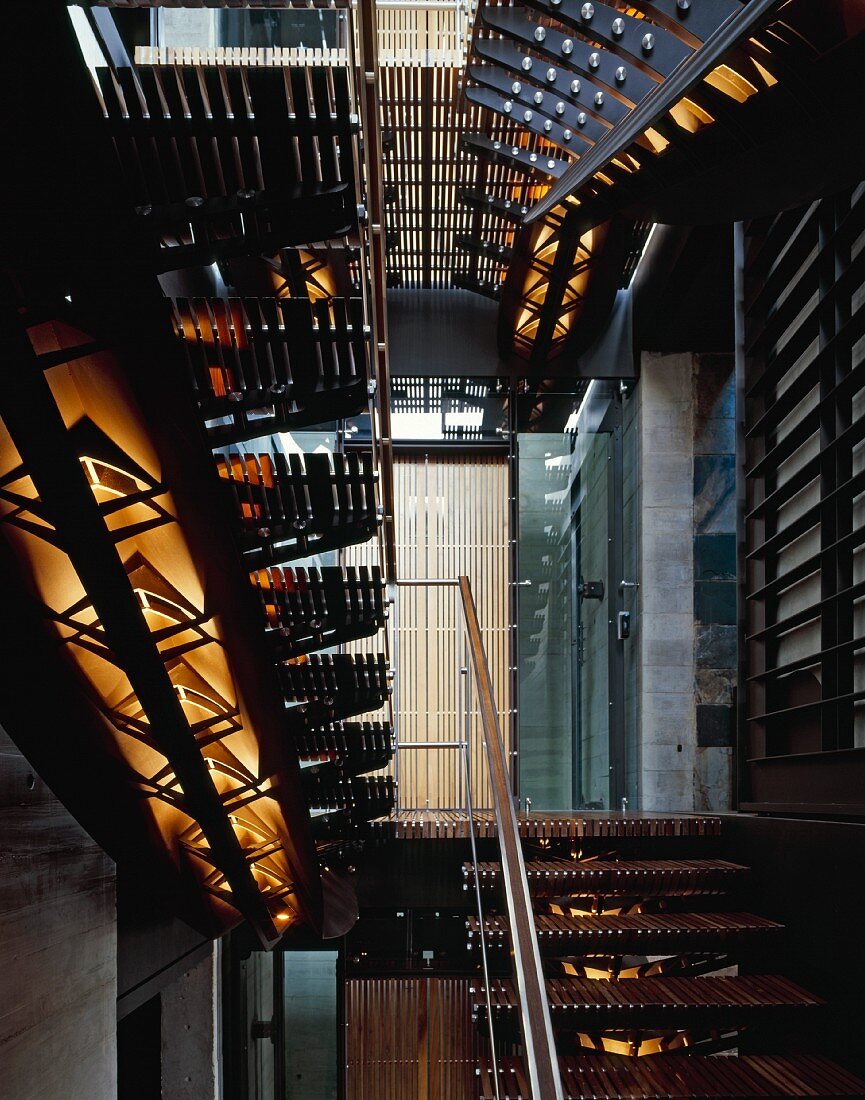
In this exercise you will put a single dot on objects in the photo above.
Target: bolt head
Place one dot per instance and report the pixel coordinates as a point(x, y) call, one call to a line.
point(551, 75)
point(497, 145)
point(648, 42)
point(533, 157)
point(526, 64)
point(560, 108)
point(621, 74)
point(551, 164)
point(507, 106)
point(566, 135)
point(527, 116)
point(567, 47)
point(538, 97)
point(575, 87)
point(683, 5)
point(581, 118)
point(618, 27)
point(594, 60)
point(540, 34)
point(547, 125)
point(587, 11)
point(516, 87)
point(599, 99)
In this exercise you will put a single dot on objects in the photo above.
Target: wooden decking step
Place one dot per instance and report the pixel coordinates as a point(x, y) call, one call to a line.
point(631, 877)
point(454, 825)
point(589, 1004)
point(679, 1077)
point(631, 933)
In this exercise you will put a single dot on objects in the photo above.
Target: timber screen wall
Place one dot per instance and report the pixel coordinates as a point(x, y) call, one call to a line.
point(453, 517)
point(801, 360)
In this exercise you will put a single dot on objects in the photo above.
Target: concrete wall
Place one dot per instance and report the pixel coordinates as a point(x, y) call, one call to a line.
point(686, 643)
point(190, 1030)
point(57, 946)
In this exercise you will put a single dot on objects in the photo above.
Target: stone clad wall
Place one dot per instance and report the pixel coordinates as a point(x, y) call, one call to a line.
point(686, 540)
point(714, 577)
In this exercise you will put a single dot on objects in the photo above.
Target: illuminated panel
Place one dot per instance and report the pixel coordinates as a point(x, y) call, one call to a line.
point(105, 432)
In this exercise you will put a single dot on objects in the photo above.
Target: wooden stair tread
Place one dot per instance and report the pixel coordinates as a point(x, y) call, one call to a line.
point(644, 877)
point(677, 1077)
point(453, 825)
point(607, 1001)
point(631, 932)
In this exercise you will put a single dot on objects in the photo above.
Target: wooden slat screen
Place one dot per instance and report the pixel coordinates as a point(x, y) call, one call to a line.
point(410, 1039)
point(804, 378)
point(452, 518)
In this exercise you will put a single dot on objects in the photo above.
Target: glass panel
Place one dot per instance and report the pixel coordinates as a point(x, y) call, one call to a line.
point(310, 1036)
point(592, 457)
point(564, 470)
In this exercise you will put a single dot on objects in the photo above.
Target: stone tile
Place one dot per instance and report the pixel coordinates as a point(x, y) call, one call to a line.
point(716, 646)
point(713, 685)
point(713, 779)
point(714, 436)
point(714, 494)
point(677, 598)
point(669, 678)
point(714, 386)
point(670, 757)
point(671, 436)
point(715, 602)
point(677, 652)
point(668, 791)
point(715, 557)
point(666, 573)
point(714, 725)
point(669, 482)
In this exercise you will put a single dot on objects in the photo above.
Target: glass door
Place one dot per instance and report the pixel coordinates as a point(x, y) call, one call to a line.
point(570, 633)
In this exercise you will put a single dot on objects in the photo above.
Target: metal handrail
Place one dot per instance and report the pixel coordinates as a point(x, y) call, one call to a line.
point(538, 1042)
point(483, 941)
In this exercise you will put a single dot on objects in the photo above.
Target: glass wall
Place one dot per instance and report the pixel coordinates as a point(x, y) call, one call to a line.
point(571, 712)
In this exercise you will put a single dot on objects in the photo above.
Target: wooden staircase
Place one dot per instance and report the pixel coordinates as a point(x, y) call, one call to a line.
point(640, 951)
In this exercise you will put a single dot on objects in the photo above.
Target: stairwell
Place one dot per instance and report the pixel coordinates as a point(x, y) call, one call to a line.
point(652, 967)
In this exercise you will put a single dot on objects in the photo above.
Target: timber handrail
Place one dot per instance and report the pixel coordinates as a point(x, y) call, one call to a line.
point(538, 1042)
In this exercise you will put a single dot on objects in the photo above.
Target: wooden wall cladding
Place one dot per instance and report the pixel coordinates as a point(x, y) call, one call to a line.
point(452, 518)
point(410, 1039)
point(804, 374)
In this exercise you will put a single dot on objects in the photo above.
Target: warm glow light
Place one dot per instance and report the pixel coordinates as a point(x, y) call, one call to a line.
point(731, 83)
